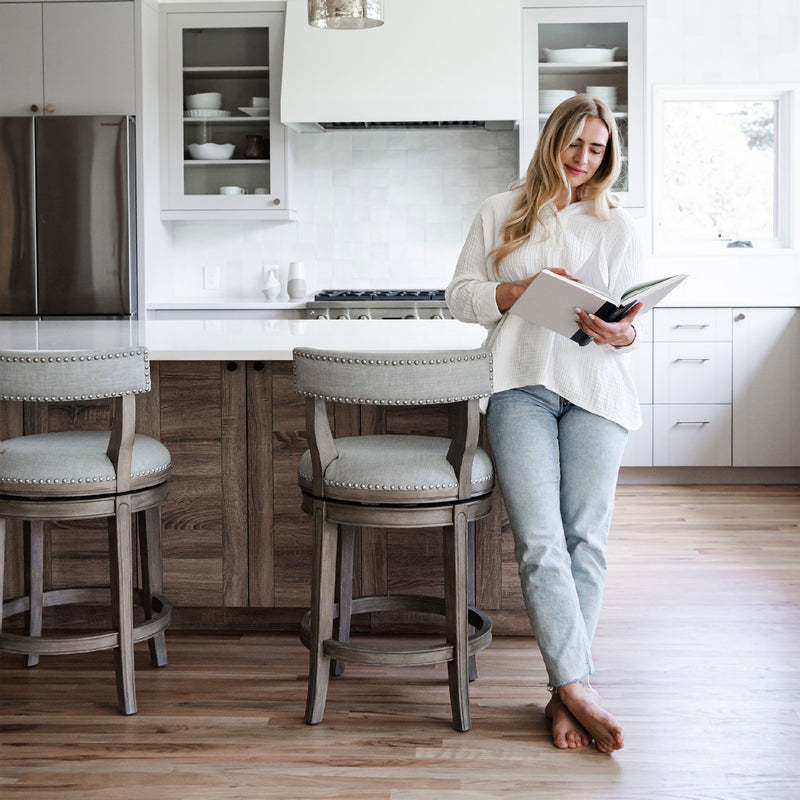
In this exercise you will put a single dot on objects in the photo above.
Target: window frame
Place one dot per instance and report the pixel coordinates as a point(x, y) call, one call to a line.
point(787, 223)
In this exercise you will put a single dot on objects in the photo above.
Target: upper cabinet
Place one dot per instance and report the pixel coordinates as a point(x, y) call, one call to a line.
point(67, 58)
point(597, 49)
point(224, 149)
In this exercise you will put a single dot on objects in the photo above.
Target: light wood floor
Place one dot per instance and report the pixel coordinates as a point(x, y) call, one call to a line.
point(698, 653)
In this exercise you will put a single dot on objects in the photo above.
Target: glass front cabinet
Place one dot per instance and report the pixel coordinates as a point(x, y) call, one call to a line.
point(596, 49)
point(226, 150)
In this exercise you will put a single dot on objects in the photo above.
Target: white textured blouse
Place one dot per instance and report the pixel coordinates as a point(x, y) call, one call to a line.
point(596, 378)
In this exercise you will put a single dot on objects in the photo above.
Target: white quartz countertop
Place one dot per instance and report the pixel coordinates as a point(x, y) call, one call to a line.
point(215, 340)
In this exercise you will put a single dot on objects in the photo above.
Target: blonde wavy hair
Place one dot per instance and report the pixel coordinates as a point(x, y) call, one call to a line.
point(546, 181)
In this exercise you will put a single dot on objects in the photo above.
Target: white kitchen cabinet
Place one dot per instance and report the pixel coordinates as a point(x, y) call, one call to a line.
point(67, 58)
point(691, 387)
point(766, 387)
point(238, 54)
point(570, 25)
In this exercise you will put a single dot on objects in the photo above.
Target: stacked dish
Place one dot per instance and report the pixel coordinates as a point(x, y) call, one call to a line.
point(550, 98)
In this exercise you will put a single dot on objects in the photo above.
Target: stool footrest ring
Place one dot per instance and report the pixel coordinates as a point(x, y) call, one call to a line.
point(401, 656)
point(80, 643)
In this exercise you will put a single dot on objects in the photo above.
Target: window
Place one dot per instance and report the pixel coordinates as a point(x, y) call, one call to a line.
point(721, 167)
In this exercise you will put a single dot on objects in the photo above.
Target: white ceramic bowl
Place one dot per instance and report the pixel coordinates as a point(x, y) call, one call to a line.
point(254, 112)
point(259, 102)
point(550, 98)
point(580, 55)
point(212, 152)
point(204, 100)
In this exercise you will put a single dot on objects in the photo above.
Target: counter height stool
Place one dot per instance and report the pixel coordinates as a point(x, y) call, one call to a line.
point(393, 481)
point(77, 474)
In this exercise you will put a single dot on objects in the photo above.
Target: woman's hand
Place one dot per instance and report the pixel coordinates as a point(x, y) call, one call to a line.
point(506, 294)
point(619, 334)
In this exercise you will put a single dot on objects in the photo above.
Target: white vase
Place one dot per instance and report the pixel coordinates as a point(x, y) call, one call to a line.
point(272, 286)
point(296, 284)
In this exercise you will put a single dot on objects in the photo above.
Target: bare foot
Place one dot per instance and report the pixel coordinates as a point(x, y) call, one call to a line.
point(568, 733)
point(582, 702)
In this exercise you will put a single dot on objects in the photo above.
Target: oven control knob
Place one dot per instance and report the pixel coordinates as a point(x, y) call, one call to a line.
point(410, 316)
point(363, 316)
point(436, 316)
point(322, 316)
point(342, 316)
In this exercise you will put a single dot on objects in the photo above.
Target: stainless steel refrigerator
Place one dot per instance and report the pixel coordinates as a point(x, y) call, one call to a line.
point(67, 217)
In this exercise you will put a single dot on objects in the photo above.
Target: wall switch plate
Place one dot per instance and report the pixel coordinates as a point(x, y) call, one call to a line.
point(211, 278)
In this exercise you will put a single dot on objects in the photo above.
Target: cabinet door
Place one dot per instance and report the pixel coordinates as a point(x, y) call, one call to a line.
point(201, 414)
point(766, 387)
point(238, 57)
point(20, 58)
point(620, 29)
point(89, 64)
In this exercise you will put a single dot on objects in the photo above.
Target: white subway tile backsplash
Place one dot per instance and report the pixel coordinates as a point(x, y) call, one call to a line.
point(376, 209)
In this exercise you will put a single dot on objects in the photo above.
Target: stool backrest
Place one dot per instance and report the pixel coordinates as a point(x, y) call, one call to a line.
point(74, 375)
point(395, 378)
point(65, 375)
point(411, 378)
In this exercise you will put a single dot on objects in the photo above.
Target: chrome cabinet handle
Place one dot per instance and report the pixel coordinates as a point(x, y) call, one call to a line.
point(693, 325)
point(693, 422)
point(701, 359)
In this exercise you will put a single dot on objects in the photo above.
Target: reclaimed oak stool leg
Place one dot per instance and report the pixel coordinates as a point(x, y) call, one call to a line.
point(344, 590)
point(35, 578)
point(152, 576)
point(455, 575)
point(121, 557)
point(323, 580)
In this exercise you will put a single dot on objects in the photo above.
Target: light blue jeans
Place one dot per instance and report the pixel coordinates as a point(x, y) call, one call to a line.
point(557, 465)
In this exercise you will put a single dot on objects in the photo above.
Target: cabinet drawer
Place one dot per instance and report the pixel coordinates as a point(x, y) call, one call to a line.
point(692, 372)
point(692, 324)
point(692, 435)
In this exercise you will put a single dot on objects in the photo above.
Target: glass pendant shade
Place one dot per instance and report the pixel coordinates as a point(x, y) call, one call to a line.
point(345, 14)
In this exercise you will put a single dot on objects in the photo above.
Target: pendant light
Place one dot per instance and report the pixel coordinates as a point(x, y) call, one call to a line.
point(345, 14)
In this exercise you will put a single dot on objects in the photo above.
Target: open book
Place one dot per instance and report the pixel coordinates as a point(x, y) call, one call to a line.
point(550, 300)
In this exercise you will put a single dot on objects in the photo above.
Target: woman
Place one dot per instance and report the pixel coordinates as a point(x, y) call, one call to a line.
point(560, 415)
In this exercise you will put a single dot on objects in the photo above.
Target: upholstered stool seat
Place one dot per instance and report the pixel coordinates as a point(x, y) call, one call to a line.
point(46, 463)
point(393, 481)
point(396, 469)
point(82, 474)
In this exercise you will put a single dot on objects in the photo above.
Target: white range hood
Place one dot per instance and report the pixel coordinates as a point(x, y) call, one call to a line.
point(433, 63)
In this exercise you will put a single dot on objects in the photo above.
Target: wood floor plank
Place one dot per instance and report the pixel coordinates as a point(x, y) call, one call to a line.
point(697, 652)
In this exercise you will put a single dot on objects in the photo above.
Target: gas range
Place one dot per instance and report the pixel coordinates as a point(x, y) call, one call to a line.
point(379, 304)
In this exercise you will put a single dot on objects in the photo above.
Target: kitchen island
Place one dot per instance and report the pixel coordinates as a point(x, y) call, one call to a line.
point(236, 544)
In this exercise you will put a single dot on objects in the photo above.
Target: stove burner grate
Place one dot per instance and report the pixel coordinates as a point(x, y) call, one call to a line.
point(372, 296)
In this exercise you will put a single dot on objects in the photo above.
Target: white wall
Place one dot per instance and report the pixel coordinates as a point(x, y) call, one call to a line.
point(376, 209)
point(723, 41)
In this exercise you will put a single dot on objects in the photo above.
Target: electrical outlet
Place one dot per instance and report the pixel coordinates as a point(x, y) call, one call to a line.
point(211, 278)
